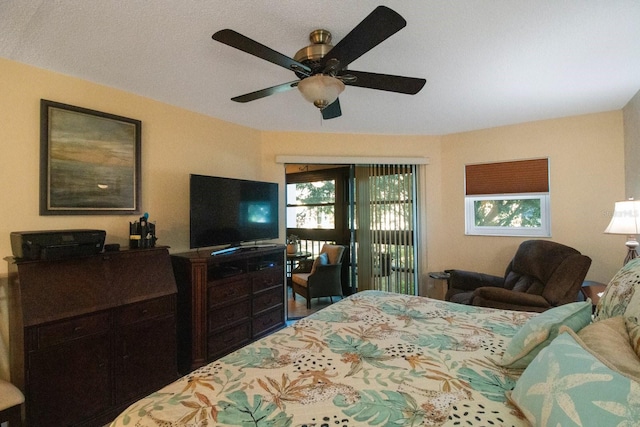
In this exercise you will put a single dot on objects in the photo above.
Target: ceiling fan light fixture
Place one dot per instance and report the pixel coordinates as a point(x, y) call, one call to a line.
point(321, 90)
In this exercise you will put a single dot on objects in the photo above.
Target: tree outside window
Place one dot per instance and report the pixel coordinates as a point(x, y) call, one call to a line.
point(311, 204)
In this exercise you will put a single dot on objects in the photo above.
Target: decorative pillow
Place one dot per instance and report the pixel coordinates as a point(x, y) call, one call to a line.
point(619, 292)
point(565, 385)
point(633, 308)
point(609, 341)
point(633, 329)
point(322, 259)
point(540, 330)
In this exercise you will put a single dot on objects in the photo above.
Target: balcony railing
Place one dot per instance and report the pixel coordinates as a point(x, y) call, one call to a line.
point(392, 267)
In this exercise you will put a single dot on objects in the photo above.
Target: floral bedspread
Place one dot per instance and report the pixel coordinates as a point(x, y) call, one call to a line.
point(375, 358)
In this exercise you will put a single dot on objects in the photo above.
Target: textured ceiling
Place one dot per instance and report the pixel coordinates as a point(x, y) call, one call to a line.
point(487, 63)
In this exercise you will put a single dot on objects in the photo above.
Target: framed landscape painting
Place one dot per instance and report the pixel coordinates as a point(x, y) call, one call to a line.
point(89, 161)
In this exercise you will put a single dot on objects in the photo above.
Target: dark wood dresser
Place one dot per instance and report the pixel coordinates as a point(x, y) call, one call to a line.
point(226, 301)
point(90, 335)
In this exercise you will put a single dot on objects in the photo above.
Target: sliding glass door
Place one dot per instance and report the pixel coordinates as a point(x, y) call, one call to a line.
point(371, 209)
point(386, 228)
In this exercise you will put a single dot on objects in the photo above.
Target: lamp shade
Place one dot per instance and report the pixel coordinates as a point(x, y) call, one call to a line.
point(320, 89)
point(626, 218)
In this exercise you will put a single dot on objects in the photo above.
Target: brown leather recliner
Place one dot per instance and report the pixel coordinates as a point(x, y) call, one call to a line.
point(541, 275)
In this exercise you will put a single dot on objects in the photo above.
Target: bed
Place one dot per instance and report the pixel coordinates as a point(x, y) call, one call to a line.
point(373, 358)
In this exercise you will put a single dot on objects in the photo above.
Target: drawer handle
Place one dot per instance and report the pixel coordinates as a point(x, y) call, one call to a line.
point(144, 311)
point(78, 329)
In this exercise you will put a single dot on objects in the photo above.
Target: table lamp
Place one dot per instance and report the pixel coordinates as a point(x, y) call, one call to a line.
point(626, 220)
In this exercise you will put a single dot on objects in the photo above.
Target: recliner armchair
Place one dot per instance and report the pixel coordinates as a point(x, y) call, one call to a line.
point(323, 279)
point(542, 274)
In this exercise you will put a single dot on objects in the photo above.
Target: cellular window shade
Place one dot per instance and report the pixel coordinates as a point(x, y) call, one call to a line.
point(520, 176)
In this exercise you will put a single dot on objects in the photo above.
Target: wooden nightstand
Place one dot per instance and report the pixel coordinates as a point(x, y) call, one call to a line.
point(443, 278)
point(593, 291)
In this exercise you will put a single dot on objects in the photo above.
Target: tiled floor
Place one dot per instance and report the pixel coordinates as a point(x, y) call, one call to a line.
point(298, 309)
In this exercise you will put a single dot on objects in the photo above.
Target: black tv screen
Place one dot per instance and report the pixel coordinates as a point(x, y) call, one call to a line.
point(228, 211)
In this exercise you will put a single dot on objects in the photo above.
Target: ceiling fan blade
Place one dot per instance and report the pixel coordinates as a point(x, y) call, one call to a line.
point(381, 24)
point(332, 110)
point(266, 92)
point(400, 84)
point(252, 47)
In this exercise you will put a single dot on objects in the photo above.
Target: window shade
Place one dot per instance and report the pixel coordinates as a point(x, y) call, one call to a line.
point(520, 176)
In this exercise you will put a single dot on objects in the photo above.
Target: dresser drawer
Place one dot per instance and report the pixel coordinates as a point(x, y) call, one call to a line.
point(268, 278)
point(268, 321)
point(145, 310)
point(228, 291)
point(226, 341)
point(72, 329)
point(224, 317)
point(268, 299)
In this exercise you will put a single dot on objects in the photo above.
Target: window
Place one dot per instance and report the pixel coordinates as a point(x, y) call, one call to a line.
point(371, 209)
point(508, 198)
point(317, 205)
point(513, 215)
point(311, 204)
point(317, 211)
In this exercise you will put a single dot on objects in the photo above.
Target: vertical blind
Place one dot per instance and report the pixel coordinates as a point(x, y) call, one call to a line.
point(386, 219)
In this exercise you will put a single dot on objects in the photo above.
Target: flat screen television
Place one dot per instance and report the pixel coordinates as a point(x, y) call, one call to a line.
point(228, 211)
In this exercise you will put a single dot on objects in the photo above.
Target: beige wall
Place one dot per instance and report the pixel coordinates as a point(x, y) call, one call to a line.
point(632, 147)
point(586, 152)
point(175, 142)
point(587, 177)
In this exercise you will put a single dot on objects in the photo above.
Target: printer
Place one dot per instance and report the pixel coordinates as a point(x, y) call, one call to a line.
point(56, 244)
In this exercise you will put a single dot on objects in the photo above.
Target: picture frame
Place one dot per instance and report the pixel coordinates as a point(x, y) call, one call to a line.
point(89, 161)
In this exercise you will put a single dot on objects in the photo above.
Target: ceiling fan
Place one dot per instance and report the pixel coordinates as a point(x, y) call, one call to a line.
point(322, 68)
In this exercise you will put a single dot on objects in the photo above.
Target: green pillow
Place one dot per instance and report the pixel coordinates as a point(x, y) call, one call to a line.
point(633, 308)
point(619, 293)
point(633, 329)
point(565, 385)
point(540, 330)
